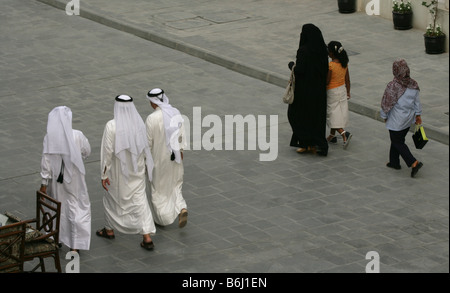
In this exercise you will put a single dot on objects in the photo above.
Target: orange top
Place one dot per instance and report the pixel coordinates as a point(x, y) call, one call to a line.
point(337, 75)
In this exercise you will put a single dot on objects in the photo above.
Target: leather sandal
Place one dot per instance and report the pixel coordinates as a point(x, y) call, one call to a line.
point(182, 218)
point(104, 234)
point(306, 150)
point(147, 245)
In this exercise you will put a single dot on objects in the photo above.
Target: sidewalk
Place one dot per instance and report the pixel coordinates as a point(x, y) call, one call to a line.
point(259, 38)
point(296, 214)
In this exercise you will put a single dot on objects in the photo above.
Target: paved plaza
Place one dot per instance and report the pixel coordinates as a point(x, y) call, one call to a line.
point(294, 214)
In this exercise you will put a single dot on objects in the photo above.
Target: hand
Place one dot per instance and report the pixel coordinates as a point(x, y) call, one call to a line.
point(418, 120)
point(348, 96)
point(43, 189)
point(105, 182)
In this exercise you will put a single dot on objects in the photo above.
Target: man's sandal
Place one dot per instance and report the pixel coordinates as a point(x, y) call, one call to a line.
point(182, 218)
point(103, 233)
point(147, 245)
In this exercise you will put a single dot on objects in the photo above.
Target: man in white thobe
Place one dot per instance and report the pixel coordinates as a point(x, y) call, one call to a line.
point(63, 177)
point(125, 154)
point(166, 136)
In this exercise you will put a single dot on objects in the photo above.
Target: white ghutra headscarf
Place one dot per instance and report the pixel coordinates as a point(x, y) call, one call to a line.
point(131, 135)
point(60, 141)
point(172, 120)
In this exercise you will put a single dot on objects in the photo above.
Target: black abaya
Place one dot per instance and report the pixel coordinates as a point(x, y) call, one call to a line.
point(307, 114)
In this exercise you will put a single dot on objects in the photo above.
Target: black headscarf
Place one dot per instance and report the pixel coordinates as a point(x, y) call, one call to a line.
point(312, 45)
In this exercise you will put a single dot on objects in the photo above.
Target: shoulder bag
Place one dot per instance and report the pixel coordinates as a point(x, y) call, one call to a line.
point(288, 97)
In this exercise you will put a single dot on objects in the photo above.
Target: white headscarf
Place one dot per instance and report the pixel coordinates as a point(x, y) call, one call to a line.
point(60, 141)
point(131, 135)
point(172, 120)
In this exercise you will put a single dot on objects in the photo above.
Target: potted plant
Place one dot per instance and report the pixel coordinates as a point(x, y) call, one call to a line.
point(434, 36)
point(402, 14)
point(347, 6)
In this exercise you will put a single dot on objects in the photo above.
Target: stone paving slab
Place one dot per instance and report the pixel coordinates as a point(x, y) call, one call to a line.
point(296, 214)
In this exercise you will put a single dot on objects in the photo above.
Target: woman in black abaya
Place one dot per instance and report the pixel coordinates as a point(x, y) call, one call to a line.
point(307, 114)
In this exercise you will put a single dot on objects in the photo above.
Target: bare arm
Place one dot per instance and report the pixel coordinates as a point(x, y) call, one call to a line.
point(347, 83)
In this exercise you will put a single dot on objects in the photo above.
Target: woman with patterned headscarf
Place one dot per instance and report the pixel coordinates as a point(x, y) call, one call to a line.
point(400, 107)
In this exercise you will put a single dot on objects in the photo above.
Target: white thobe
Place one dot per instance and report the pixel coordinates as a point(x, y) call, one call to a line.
point(126, 205)
point(75, 221)
point(166, 187)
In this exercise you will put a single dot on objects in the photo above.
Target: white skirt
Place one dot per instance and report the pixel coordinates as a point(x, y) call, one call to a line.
point(337, 107)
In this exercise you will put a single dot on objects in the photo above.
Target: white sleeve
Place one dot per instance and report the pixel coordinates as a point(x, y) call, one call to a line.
point(182, 138)
point(107, 149)
point(148, 126)
point(46, 170)
point(83, 142)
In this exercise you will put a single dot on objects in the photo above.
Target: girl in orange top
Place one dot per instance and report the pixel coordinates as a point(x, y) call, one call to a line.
point(338, 92)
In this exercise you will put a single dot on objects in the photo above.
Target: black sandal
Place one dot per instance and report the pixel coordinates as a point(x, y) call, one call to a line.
point(104, 234)
point(147, 245)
